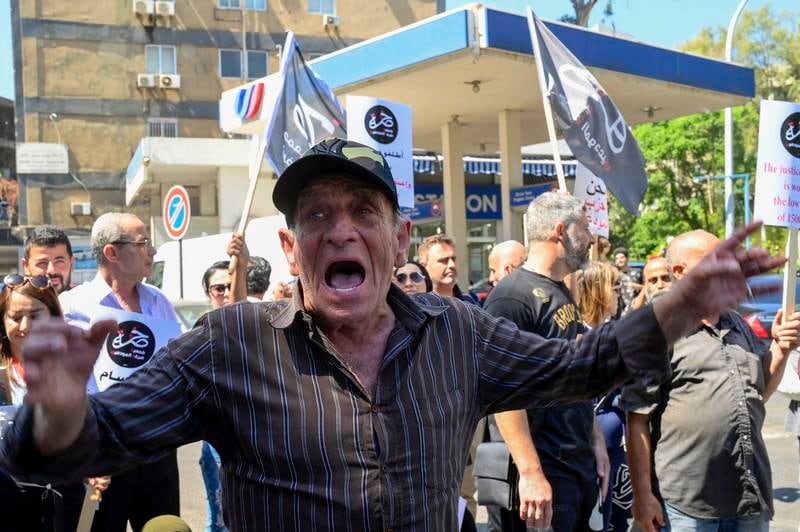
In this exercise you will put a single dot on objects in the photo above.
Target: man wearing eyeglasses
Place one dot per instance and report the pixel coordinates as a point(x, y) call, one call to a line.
point(124, 253)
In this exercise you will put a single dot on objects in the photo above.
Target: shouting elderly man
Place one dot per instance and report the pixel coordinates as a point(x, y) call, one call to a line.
point(351, 406)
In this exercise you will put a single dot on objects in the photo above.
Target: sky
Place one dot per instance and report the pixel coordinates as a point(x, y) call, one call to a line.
point(665, 23)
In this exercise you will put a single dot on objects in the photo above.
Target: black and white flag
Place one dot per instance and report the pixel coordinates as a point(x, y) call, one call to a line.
point(306, 111)
point(591, 124)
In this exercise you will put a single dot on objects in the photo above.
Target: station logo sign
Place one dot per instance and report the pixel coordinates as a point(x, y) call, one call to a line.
point(248, 101)
point(381, 124)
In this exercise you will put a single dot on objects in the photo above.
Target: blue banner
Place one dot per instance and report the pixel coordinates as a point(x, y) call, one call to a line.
point(521, 197)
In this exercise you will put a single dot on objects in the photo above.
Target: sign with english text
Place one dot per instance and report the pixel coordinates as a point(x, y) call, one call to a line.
point(777, 200)
point(592, 191)
point(130, 346)
point(386, 127)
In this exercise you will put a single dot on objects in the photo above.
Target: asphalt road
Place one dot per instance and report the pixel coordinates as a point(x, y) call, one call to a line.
point(782, 451)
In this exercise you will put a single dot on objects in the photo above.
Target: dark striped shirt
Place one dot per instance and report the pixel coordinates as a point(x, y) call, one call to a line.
point(303, 445)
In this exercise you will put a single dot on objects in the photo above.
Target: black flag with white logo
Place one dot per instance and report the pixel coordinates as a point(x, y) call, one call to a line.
point(591, 124)
point(306, 111)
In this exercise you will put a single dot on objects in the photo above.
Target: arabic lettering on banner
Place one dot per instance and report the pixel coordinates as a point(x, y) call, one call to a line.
point(306, 111)
point(591, 124)
point(130, 346)
point(777, 200)
point(592, 190)
point(385, 126)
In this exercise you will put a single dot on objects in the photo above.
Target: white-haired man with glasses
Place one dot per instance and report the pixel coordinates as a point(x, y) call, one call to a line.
point(124, 253)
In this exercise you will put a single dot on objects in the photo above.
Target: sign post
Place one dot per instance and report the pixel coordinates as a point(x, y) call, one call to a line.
point(777, 199)
point(177, 213)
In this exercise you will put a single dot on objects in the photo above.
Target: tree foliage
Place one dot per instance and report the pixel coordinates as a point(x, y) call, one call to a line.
point(583, 8)
point(677, 150)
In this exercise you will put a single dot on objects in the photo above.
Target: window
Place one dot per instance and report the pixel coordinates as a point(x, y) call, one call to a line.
point(160, 59)
point(322, 6)
point(230, 64)
point(162, 127)
point(256, 64)
point(250, 5)
point(255, 5)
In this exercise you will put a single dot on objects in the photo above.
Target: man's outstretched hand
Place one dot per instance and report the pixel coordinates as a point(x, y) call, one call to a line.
point(58, 360)
point(717, 283)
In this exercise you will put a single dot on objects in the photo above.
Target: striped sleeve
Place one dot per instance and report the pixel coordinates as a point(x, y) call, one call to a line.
point(519, 369)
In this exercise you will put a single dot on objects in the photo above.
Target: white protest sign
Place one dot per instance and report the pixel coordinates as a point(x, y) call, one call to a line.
point(131, 345)
point(385, 126)
point(592, 191)
point(777, 199)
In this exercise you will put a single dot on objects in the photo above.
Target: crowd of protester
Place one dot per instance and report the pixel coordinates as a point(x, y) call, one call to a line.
point(644, 451)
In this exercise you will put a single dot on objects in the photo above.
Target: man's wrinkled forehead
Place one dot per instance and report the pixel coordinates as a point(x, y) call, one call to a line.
point(337, 184)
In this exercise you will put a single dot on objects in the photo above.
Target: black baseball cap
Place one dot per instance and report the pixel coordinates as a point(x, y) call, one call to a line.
point(332, 155)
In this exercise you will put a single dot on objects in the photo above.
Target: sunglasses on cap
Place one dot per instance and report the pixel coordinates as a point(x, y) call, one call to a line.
point(15, 280)
point(415, 277)
point(219, 289)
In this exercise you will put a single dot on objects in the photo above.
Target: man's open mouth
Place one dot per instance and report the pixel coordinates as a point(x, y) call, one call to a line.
point(344, 276)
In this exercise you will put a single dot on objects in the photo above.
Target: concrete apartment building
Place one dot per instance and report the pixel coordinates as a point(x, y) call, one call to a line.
point(97, 77)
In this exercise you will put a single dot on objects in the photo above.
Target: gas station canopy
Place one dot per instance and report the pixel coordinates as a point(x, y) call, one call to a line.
point(472, 63)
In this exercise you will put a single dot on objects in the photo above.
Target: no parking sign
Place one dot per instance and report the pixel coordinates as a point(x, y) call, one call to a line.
point(177, 212)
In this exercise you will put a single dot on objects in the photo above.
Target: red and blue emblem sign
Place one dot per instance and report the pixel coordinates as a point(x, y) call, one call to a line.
point(177, 212)
point(248, 101)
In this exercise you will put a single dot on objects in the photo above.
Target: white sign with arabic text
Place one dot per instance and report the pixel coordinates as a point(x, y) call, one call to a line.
point(592, 191)
point(385, 126)
point(134, 342)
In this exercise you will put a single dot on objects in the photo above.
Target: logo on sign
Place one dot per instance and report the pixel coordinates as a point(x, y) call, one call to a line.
point(131, 345)
point(790, 134)
point(248, 101)
point(381, 124)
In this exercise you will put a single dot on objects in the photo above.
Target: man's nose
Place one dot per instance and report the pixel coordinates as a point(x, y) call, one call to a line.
point(342, 229)
point(51, 268)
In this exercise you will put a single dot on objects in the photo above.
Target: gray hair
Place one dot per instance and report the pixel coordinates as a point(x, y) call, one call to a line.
point(549, 209)
point(106, 230)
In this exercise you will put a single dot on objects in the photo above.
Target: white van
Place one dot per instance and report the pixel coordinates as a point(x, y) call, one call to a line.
point(200, 253)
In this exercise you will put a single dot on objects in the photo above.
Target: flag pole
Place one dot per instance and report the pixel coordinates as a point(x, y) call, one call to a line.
point(548, 112)
point(256, 162)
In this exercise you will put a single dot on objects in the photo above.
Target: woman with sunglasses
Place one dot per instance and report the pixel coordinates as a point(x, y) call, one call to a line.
point(23, 301)
point(413, 278)
point(598, 296)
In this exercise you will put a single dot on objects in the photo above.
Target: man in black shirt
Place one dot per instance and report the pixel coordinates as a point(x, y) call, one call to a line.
point(561, 480)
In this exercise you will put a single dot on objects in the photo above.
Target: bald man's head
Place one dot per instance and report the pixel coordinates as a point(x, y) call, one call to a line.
point(687, 249)
point(505, 258)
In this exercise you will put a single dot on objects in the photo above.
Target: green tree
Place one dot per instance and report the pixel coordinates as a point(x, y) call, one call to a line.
point(676, 150)
point(583, 8)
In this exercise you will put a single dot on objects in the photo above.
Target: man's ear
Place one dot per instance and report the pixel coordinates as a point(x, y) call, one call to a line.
point(678, 270)
point(403, 242)
point(25, 265)
point(287, 239)
point(110, 252)
point(558, 231)
point(72, 263)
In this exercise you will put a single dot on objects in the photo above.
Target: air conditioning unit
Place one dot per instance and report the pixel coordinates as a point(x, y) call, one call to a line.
point(143, 7)
point(330, 21)
point(147, 81)
point(80, 209)
point(165, 8)
point(169, 81)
